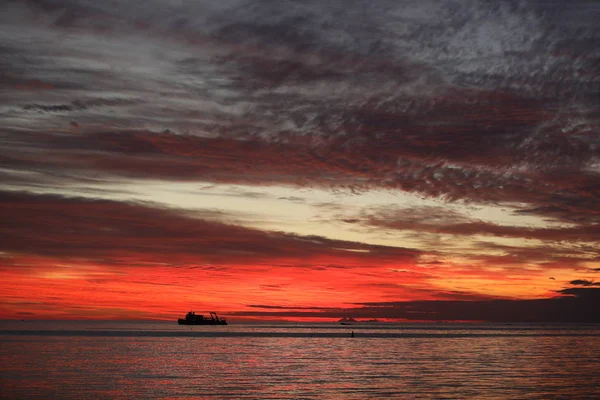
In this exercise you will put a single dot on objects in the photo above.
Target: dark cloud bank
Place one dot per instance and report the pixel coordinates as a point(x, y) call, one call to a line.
point(579, 305)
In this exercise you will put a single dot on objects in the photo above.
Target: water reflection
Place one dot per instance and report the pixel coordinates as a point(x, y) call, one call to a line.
point(280, 367)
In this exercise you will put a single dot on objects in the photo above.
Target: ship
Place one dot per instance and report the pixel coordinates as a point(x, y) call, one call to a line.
point(191, 318)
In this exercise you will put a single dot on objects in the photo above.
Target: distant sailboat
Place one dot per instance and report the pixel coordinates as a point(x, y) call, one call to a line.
point(346, 321)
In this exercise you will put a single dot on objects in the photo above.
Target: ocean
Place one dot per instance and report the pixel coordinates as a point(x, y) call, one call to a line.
point(162, 360)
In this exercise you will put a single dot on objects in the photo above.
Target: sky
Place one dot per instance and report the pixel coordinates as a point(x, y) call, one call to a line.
point(413, 160)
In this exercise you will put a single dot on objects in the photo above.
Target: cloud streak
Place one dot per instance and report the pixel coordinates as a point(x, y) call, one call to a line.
point(439, 220)
point(49, 225)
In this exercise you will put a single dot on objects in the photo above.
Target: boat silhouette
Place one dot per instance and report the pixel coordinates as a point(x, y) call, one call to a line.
point(191, 318)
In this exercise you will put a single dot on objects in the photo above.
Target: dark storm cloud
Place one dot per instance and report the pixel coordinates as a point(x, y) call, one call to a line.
point(584, 293)
point(114, 232)
point(579, 306)
point(486, 103)
point(584, 282)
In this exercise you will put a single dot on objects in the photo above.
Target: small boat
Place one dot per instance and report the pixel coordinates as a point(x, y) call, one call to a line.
point(192, 319)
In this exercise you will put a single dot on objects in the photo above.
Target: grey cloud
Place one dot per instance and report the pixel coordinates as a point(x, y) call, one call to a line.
point(461, 101)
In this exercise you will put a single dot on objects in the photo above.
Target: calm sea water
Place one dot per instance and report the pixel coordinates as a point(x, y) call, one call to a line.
point(82, 360)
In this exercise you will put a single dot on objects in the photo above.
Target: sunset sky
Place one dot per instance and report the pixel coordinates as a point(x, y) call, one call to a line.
point(300, 160)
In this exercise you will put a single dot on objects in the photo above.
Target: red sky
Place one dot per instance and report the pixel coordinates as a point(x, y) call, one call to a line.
point(307, 161)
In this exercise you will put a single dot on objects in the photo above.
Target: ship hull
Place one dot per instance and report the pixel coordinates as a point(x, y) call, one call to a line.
point(182, 321)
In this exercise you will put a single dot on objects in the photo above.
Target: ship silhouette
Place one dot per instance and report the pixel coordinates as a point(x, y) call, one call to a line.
point(191, 318)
